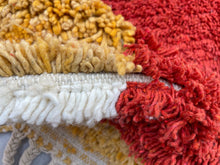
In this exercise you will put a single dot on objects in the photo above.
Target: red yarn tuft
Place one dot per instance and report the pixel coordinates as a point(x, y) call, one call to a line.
point(164, 126)
point(185, 126)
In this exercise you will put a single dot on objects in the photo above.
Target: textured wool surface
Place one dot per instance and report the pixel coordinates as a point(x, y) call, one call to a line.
point(178, 41)
point(192, 27)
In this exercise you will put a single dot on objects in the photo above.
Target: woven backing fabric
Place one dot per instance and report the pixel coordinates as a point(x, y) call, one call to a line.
point(68, 145)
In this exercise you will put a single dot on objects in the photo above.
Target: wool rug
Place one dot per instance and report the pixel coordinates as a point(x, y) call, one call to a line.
point(112, 81)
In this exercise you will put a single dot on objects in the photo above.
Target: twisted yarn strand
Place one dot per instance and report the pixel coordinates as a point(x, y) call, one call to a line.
point(12, 146)
point(29, 154)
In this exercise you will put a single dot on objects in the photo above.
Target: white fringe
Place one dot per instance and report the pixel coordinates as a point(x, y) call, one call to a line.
point(58, 98)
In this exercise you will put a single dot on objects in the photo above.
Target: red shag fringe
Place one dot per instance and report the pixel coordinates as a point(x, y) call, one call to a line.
point(185, 125)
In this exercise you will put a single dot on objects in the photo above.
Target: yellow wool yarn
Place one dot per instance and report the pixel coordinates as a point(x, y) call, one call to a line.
point(50, 55)
point(26, 24)
point(85, 20)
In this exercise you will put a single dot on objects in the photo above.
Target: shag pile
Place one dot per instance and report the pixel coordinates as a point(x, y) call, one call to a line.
point(149, 88)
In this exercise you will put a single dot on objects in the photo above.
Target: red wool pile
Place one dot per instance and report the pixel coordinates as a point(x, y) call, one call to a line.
point(185, 129)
